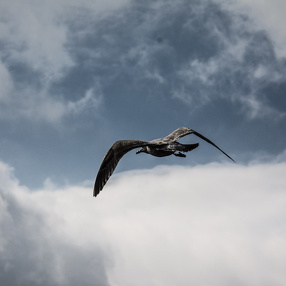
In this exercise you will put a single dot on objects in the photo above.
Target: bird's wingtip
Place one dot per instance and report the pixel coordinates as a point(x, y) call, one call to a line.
point(95, 192)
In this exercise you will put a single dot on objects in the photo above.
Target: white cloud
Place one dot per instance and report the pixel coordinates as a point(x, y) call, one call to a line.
point(266, 15)
point(214, 224)
point(91, 99)
point(37, 38)
point(39, 244)
point(256, 109)
point(38, 41)
point(41, 106)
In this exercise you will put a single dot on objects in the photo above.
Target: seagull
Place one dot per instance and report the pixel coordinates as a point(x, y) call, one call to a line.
point(161, 147)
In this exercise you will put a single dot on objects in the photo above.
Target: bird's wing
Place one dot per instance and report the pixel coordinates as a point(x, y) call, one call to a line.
point(174, 136)
point(210, 142)
point(181, 132)
point(111, 159)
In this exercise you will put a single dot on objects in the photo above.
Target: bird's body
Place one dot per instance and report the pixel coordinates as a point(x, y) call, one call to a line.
point(161, 147)
point(164, 149)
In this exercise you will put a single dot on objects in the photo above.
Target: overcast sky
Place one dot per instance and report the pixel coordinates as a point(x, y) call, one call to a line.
point(75, 76)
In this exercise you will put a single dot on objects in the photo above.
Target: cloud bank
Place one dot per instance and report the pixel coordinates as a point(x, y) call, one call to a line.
point(215, 224)
point(35, 56)
point(190, 51)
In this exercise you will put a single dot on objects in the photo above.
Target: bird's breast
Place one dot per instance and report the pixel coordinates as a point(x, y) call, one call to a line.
point(156, 151)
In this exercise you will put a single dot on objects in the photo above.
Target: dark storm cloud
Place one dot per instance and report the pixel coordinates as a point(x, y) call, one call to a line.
point(83, 78)
point(163, 64)
point(192, 51)
point(151, 54)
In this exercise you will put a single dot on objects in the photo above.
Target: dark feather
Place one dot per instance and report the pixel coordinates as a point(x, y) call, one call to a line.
point(159, 147)
point(210, 142)
point(111, 159)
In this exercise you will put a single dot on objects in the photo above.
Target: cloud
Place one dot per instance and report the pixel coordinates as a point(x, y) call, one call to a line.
point(91, 99)
point(38, 105)
point(216, 224)
point(40, 37)
point(267, 16)
point(193, 52)
point(38, 246)
point(35, 57)
point(36, 39)
point(5, 82)
point(239, 71)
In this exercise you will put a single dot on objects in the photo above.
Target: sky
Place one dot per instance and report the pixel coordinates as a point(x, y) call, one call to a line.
point(76, 76)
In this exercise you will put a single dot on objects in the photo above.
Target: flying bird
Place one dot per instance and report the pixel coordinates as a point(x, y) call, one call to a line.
point(161, 147)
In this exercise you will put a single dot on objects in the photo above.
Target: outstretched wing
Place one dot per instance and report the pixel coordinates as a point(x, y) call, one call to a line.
point(210, 142)
point(181, 132)
point(111, 159)
point(174, 136)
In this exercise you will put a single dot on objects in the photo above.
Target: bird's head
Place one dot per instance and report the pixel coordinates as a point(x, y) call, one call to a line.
point(143, 149)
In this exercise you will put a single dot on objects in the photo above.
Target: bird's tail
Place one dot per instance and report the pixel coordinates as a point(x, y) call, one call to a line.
point(188, 147)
